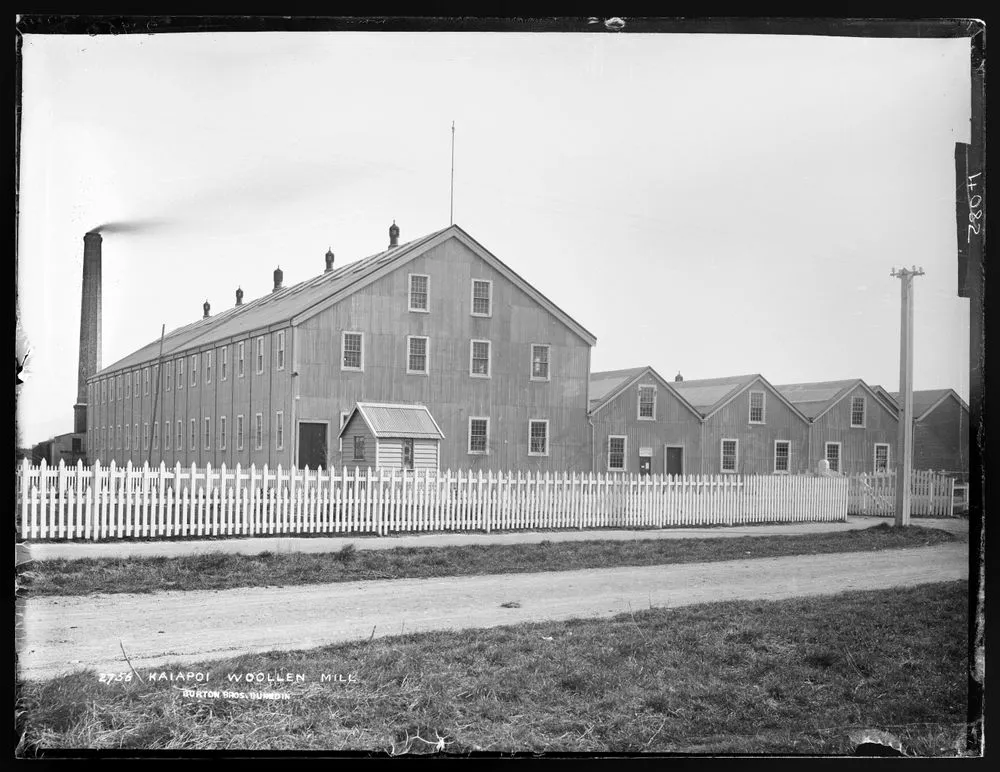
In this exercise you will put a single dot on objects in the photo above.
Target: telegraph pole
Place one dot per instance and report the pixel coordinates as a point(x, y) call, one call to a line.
point(904, 445)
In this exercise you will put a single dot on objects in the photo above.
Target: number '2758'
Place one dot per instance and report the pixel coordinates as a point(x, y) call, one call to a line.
point(975, 202)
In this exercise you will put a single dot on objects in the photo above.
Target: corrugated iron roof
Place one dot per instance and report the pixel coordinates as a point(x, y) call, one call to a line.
point(813, 398)
point(925, 399)
point(603, 383)
point(706, 394)
point(397, 420)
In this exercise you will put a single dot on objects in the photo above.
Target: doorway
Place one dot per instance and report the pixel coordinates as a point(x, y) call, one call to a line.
point(312, 444)
point(646, 465)
point(674, 460)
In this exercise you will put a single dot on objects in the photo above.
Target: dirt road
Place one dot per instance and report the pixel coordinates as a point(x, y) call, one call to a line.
point(62, 634)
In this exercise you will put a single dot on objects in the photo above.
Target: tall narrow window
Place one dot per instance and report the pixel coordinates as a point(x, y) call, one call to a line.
point(539, 362)
point(756, 407)
point(180, 433)
point(416, 354)
point(241, 358)
point(479, 435)
point(832, 453)
point(193, 440)
point(145, 435)
point(180, 376)
point(279, 430)
point(118, 388)
point(881, 457)
point(538, 438)
point(169, 372)
point(194, 369)
point(419, 291)
point(857, 412)
point(616, 453)
point(359, 448)
point(730, 455)
point(208, 432)
point(118, 436)
point(128, 386)
point(260, 354)
point(128, 435)
point(279, 339)
point(104, 392)
point(353, 347)
point(479, 359)
point(224, 362)
point(222, 432)
point(208, 367)
point(156, 377)
point(782, 451)
point(239, 432)
point(258, 431)
point(482, 297)
point(135, 390)
point(156, 435)
point(647, 403)
point(166, 435)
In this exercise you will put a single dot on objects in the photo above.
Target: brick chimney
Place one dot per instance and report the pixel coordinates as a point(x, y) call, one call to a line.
point(206, 306)
point(393, 235)
point(278, 276)
point(90, 326)
point(239, 296)
point(329, 260)
point(678, 378)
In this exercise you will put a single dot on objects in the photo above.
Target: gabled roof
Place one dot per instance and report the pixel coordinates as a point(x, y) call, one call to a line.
point(710, 395)
point(606, 385)
point(926, 400)
point(816, 398)
point(294, 304)
point(396, 420)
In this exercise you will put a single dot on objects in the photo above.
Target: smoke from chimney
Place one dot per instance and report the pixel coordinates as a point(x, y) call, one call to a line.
point(131, 226)
point(90, 326)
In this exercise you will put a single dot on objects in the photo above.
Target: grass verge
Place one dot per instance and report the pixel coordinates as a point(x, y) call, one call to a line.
point(219, 571)
point(790, 677)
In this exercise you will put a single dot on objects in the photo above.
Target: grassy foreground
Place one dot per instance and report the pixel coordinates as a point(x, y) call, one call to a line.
point(218, 571)
point(790, 677)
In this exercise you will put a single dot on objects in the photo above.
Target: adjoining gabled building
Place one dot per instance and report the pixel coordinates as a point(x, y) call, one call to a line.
point(748, 426)
point(940, 429)
point(851, 425)
point(642, 425)
point(439, 322)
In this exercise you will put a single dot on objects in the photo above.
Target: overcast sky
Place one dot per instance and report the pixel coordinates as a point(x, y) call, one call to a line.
point(709, 204)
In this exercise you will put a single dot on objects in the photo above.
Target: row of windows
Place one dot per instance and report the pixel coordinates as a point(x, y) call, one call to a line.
point(729, 455)
point(111, 438)
point(112, 387)
point(481, 295)
point(418, 356)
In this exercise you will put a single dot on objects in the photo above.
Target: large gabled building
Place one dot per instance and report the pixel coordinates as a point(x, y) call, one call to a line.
point(940, 429)
point(439, 322)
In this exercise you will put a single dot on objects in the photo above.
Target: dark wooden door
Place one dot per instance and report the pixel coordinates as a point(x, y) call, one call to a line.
point(675, 460)
point(407, 453)
point(312, 445)
point(645, 465)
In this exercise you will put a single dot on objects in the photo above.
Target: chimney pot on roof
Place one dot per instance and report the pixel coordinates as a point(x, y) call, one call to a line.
point(206, 306)
point(678, 378)
point(329, 260)
point(393, 235)
point(278, 276)
point(239, 296)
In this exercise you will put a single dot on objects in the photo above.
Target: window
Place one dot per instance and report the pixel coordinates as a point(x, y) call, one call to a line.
point(479, 435)
point(103, 437)
point(208, 432)
point(279, 430)
point(353, 347)
point(145, 435)
point(343, 420)
point(170, 377)
point(482, 297)
point(194, 435)
point(128, 386)
point(239, 432)
point(208, 367)
point(359, 448)
point(241, 358)
point(857, 412)
point(280, 353)
point(194, 369)
point(416, 354)
point(156, 377)
point(419, 290)
point(127, 433)
point(647, 403)
point(756, 407)
point(479, 359)
point(166, 435)
point(222, 432)
point(180, 373)
point(730, 453)
point(135, 389)
point(258, 431)
point(260, 354)
point(224, 362)
point(539, 362)
point(118, 388)
point(782, 450)
point(156, 435)
point(616, 453)
point(832, 454)
point(180, 432)
point(538, 438)
point(104, 391)
point(881, 457)
point(118, 438)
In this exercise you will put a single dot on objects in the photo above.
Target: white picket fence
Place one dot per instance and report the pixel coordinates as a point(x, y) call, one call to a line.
point(134, 502)
point(932, 494)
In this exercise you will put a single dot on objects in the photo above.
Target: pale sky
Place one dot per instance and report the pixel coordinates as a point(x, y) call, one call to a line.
point(713, 204)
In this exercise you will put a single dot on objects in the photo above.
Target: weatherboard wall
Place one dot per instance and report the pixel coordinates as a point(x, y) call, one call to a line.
point(941, 439)
point(857, 444)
